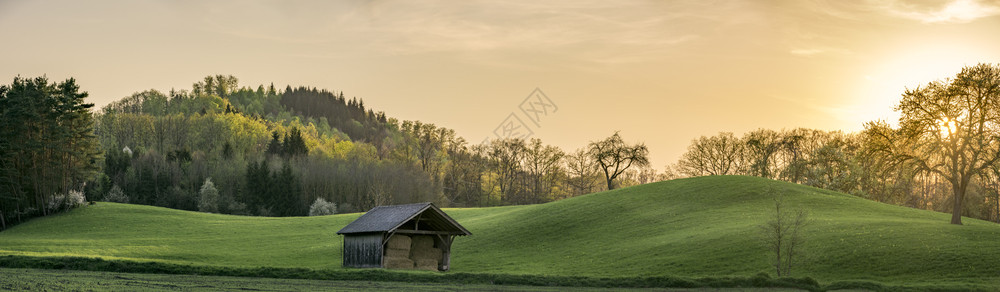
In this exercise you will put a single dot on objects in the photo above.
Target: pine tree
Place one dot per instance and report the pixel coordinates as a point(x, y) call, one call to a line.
point(275, 146)
point(48, 144)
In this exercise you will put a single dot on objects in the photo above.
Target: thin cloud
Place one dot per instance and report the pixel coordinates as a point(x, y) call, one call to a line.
point(957, 11)
point(583, 30)
point(806, 52)
point(818, 51)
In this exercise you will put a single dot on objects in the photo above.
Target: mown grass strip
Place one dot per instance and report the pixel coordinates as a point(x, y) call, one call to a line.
point(758, 281)
point(123, 266)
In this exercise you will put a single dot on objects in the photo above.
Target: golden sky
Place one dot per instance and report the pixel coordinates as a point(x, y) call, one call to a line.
point(661, 72)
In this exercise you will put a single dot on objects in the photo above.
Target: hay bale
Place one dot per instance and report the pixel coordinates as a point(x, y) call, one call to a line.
point(397, 253)
point(427, 264)
point(398, 263)
point(422, 241)
point(399, 241)
point(426, 253)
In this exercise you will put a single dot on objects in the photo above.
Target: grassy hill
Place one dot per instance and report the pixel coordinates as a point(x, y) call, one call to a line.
point(691, 227)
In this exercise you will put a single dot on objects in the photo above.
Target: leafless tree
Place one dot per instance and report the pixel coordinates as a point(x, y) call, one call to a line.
point(716, 155)
point(582, 170)
point(782, 234)
point(614, 156)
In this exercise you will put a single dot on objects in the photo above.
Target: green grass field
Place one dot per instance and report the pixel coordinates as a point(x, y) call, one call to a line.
point(698, 227)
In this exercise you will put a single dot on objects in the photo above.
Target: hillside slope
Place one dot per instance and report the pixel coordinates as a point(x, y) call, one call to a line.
point(691, 227)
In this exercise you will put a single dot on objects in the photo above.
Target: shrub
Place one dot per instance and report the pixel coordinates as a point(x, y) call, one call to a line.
point(321, 207)
point(116, 195)
point(66, 201)
point(75, 198)
point(229, 205)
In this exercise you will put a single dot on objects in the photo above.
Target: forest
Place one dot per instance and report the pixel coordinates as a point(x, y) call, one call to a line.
point(220, 147)
point(223, 147)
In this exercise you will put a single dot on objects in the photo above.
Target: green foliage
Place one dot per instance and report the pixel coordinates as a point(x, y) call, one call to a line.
point(291, 146)
point(116, 195)
point(332, 147)
point(47, 146)
point(350, 116)
point(688, 228)
point(947, 128)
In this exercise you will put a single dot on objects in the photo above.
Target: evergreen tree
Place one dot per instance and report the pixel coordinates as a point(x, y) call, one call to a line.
point(275, 146)
point(227, 151)
point(258, 185)
point(295, 145)
point(47, 145)
point(285, 192)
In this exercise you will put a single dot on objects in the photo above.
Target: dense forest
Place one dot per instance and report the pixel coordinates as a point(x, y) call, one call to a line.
point(226, 148)
point(283, 152)
point(47, 148)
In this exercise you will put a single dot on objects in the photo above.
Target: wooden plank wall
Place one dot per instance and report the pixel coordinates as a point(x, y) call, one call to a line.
point(363, 250)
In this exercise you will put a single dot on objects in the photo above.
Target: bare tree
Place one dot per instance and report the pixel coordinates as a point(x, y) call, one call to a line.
point(505, 157)
point(762, 148)
point(614, 156)
point(582, 170)
point(542, 166)
point(782, 234)
point(716, 155)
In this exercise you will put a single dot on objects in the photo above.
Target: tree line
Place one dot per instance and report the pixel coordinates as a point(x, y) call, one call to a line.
point(942, 156)
point(272, 152)
point(221, 147)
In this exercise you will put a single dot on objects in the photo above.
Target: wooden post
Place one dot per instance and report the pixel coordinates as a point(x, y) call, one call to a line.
point(446, 252)
point(385, 242)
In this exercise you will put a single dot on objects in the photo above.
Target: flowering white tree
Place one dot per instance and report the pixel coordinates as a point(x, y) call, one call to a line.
point(321, 207)
point(209, 200)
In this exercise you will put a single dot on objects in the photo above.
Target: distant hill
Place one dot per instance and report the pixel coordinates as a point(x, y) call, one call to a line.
point(690, 227)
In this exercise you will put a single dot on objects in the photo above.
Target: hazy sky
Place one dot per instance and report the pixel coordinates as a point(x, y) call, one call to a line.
point(661, 72)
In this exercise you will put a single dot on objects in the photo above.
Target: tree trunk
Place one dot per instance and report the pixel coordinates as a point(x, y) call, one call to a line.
point(956, 211)
point(996, 201)
point(611, 184)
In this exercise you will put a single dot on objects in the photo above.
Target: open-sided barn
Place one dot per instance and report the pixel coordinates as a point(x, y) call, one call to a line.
point(401, 236)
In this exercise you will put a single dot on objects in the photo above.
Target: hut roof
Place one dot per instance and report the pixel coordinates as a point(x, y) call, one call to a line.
point(390, 218)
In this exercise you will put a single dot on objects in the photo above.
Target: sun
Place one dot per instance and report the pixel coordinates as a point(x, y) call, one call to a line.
point(947, 127)
point(910, 64)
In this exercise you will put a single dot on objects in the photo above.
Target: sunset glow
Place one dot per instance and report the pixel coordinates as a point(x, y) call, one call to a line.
point(449, 145)
point(667, 72)
point(948, 128)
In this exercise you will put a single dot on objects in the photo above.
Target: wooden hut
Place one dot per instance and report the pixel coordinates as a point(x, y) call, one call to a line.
point(412, 236)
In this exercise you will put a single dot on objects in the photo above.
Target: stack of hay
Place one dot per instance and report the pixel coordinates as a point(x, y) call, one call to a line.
point(424, 254)
point(397, 252)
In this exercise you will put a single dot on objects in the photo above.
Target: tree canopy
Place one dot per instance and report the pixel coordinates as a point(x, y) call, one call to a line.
point(47, 145)
point(614, 157)
point(949, 128)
